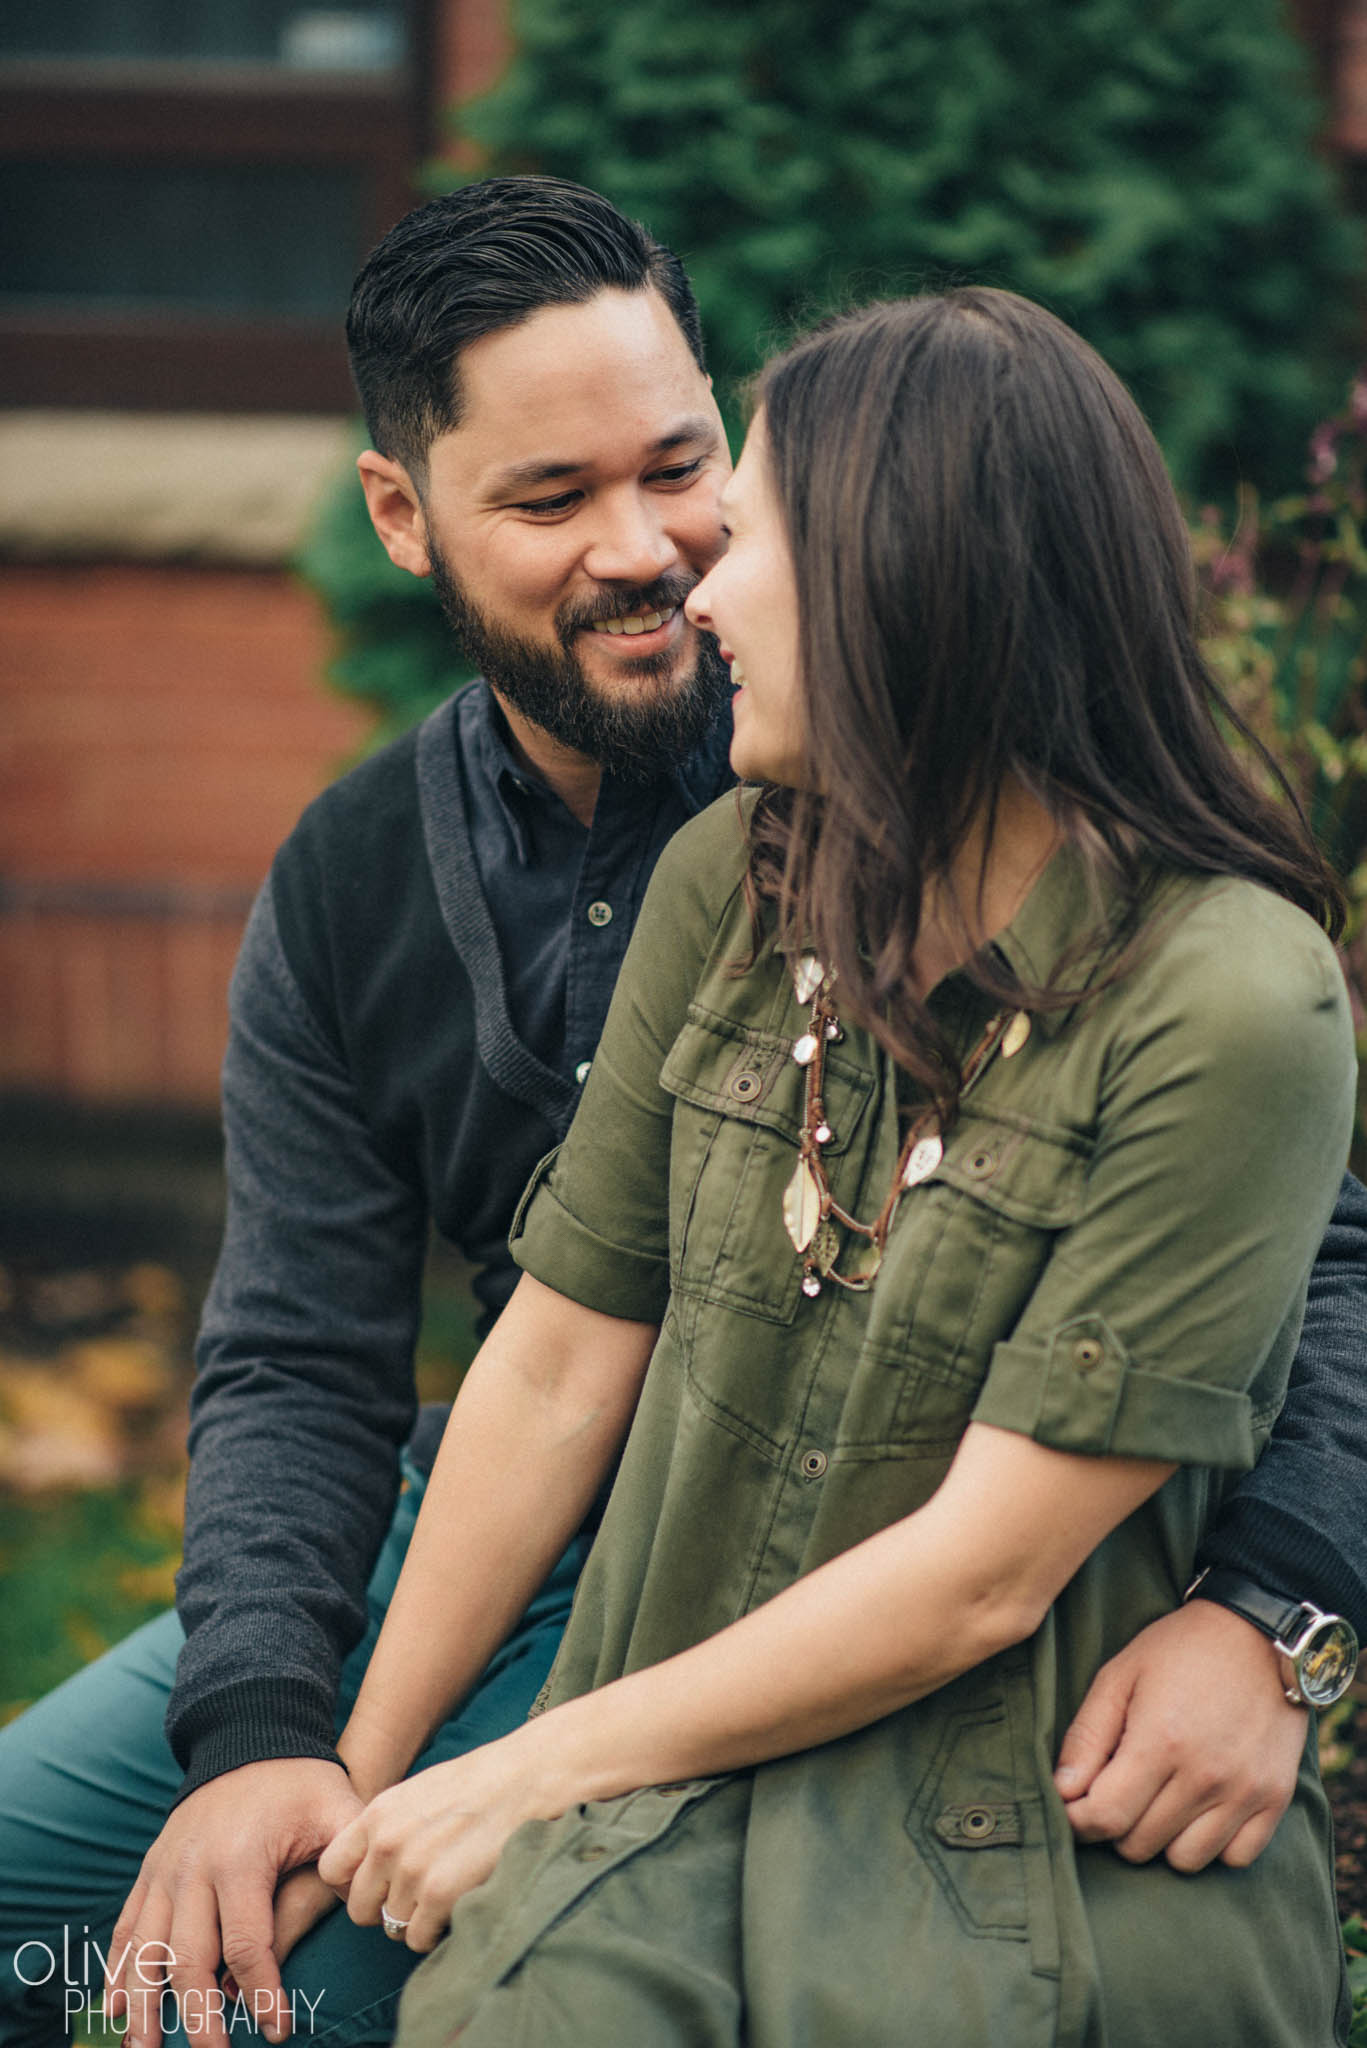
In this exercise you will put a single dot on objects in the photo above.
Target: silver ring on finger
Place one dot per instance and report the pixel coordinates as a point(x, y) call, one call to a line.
point(395, 1928)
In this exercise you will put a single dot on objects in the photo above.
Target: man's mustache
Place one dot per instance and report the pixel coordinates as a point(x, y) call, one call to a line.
point(622, 600)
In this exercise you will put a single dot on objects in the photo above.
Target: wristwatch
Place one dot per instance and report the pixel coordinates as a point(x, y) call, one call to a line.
point(1318, 1653)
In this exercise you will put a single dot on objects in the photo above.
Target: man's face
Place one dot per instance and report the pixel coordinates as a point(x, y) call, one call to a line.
point(569, 515)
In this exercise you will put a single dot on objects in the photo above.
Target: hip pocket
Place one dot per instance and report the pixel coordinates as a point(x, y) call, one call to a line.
point(977, 1822)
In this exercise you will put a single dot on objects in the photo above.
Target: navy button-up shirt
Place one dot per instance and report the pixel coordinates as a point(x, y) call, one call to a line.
point(547, 879)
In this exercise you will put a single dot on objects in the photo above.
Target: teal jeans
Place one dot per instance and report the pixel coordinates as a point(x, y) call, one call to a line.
point(87, 1778)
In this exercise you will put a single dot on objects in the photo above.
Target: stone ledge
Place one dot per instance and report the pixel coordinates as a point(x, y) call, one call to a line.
point(163, 487)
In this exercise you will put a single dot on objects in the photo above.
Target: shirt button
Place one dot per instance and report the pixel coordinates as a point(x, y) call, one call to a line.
point(600, 913)
point(592, 1852)
point(981, 1165)
point(581, 1072)
point(1087, 1353)
point(744, 1087)
point(814, 1464)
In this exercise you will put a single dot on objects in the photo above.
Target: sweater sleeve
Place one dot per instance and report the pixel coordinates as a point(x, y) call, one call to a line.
point(1295, 1523)
point(304, 1390)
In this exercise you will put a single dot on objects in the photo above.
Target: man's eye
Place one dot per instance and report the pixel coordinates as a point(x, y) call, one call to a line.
point(678, 472)
point(550, 506)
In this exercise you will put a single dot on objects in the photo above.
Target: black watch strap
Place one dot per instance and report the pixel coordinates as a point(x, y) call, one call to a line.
point(1273, 1613)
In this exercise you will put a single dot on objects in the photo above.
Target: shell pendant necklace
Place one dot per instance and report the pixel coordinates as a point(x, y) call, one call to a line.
point(811, 1215)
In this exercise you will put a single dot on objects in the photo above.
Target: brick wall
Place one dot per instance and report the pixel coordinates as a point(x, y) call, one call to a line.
point(160, 730)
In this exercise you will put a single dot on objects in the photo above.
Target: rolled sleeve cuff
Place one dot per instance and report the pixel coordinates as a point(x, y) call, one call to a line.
point(552, 1245)
point(1079, 1392)
point(253, 1721)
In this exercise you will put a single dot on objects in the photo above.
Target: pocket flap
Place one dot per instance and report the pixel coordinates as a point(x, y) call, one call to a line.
point(1032, 1173)
point(750, 1075)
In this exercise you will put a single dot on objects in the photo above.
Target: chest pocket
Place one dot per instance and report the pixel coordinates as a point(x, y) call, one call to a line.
point(739, 1099)
point(966, 1252)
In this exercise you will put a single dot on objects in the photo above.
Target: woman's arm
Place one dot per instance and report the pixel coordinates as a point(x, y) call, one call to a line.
point(538, 1421)
point(760, 1688)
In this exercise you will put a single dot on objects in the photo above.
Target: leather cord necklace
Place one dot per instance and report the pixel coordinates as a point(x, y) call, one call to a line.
point(811, 1213)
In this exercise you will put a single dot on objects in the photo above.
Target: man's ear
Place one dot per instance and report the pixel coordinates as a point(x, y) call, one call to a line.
point(396, 511)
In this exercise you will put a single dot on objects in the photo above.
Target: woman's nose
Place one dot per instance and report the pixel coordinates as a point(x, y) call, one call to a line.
point(697, 605)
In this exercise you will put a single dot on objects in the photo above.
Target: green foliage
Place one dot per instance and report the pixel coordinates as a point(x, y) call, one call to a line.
point(77, 1572)
point(1287, 628)
point(1147, 171)
point(1287, 635)
point(1355, 1942)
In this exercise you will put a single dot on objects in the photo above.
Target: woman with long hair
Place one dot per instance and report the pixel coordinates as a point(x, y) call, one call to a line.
point(930, 1248)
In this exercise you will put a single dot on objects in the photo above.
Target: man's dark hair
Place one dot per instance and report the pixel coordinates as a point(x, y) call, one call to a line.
point(477, 260)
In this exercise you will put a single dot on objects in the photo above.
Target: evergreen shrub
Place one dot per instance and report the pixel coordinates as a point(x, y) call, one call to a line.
point(1148, 171)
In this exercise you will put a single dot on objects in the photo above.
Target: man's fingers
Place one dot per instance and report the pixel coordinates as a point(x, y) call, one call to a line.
point(1094, 1733)
point(300, 1903)
point(193, 1974)
point(247, 1922)
point(142, 1952)
point(1120, 1796)
point(120, 1949)
point(1246, 1845)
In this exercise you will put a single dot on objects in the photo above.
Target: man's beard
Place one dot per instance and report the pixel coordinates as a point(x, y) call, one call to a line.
point(633, 735)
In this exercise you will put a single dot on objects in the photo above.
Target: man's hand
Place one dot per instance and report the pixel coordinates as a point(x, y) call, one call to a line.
point(1185, 1744)
point(206, 1895)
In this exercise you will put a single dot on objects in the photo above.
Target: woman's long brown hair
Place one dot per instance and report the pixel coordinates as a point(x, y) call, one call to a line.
point(994, 579)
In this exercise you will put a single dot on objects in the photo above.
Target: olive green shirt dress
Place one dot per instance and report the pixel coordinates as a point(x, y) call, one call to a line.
point(1110, 1258)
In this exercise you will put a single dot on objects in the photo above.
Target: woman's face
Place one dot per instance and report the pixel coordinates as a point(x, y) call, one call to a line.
point(749, 600)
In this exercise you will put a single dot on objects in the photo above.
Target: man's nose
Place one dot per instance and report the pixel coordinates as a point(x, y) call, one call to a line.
point(631, 543)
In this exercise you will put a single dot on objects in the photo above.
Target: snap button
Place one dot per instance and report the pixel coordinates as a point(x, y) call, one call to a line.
point(980, 1164)
point(591, 1852)
point(581, 1072)
point(745, 1086)
point(979, 1826)
point(1087, 1353)
point(600, 913)
point(814, 1464)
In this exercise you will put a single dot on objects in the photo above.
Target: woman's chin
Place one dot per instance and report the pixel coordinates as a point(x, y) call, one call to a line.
point(756, 763)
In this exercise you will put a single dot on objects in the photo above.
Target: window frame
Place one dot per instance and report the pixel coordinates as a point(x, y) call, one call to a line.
point(160, 111)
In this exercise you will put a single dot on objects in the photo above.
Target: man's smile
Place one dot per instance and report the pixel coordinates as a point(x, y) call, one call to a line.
point(649, 632)
point(636, 622)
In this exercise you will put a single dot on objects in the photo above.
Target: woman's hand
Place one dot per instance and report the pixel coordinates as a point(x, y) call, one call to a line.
point(421, 1845)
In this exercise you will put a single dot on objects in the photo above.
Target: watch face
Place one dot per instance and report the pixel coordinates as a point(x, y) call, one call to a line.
point(1326, 1665)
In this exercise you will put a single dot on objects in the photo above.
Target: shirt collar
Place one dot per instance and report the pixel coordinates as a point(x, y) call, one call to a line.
point(701, 776)
point(1069, 900)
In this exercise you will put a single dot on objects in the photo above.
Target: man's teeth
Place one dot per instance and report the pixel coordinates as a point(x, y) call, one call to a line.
point(636, 622)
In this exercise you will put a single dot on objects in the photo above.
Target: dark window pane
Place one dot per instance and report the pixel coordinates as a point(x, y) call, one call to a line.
point(235, 238)
point(338, 35)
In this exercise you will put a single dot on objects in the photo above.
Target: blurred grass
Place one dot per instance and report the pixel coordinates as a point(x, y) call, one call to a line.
point(79, 1571)
point(82, 1566)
